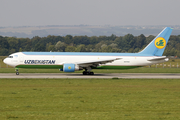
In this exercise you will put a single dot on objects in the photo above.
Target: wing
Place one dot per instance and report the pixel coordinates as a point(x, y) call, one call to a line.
point(96, 62)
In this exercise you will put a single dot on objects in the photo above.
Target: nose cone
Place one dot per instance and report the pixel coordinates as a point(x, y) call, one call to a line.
point(5, 60)
point(8, 61)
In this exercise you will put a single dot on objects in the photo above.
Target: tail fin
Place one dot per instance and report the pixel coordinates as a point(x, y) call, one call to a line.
point(158, 44)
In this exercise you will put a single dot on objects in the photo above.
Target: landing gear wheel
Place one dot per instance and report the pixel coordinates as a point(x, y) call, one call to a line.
point(84, 73)
point(16, 69)
point(88, 73)
point(91, 73)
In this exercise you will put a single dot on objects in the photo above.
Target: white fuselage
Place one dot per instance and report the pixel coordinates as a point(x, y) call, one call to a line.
point(20, 58)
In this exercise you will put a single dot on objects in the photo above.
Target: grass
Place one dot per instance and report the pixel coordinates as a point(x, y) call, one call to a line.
point(90, 99)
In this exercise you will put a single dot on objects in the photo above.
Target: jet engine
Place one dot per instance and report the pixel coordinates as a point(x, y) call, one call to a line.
point(70, 67)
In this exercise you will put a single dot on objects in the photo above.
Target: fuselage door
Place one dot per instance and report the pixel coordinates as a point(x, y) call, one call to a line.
point(21, 58)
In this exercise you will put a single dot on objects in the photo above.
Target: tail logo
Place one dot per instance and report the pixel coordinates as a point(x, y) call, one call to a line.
point(160, 42)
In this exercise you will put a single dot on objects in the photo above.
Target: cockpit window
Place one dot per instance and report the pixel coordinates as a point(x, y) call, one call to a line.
point(10, 56)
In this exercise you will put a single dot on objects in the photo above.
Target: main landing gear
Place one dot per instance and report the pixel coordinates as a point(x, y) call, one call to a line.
point(87, 71)
point(16, 69)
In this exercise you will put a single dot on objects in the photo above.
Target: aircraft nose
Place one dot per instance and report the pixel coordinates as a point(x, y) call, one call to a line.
point(5, 60)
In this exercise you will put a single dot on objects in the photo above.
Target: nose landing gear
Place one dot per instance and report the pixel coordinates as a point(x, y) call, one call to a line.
point(16, 69)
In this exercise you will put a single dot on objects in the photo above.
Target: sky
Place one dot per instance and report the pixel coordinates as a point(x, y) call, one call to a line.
point(89, 12)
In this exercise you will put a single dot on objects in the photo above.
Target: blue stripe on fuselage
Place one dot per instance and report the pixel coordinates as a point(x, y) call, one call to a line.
point(85, 54)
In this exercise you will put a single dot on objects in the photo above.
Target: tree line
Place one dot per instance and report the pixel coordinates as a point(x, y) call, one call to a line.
point(69, 43)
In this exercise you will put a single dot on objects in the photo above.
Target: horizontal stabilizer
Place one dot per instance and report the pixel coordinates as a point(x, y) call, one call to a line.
point(159, 58)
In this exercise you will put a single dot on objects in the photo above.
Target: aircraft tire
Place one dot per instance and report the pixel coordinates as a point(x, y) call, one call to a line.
point(17, 73)
point(91, 73)
point(88, 73)
point(84, 73)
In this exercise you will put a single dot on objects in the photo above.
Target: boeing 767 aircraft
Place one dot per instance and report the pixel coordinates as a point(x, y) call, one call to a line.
point(73, 61)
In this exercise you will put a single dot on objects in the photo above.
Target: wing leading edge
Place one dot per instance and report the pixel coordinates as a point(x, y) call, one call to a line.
point(96, 63)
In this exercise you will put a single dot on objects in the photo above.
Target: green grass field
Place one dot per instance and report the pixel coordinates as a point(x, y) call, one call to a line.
point(90, 99)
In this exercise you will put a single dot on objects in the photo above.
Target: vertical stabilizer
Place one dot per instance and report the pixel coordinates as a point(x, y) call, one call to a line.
point(157, 46)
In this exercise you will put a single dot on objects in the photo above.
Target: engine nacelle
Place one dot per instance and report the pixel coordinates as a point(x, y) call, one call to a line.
point(70, 67)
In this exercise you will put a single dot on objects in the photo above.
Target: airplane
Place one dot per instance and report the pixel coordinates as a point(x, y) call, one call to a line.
point(74, 61)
